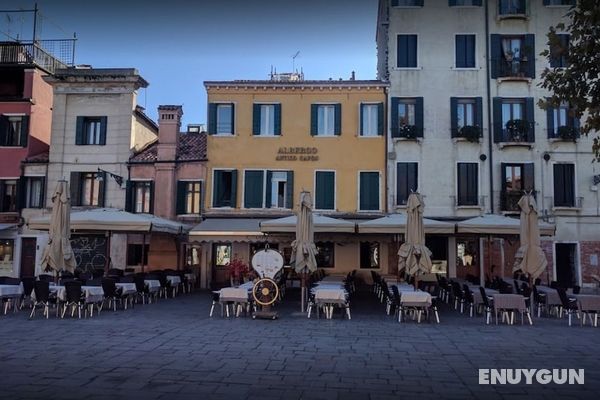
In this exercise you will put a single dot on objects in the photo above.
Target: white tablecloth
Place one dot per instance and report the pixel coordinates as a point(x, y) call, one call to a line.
point(330, 295)
point(191, 277)
point(152, 284)
point(11, 290)
point(128, 287)
point(238, 295)
point(175, 280)
point(92, 293)
point(477, 294)
point(552, 296)
point(415, 299)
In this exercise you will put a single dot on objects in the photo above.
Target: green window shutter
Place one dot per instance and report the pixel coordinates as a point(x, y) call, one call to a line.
point(496, 54)
point(325, 190)
point(180, 197)
point(233, 199)
point(498, 128)
point(269, 189)
point(530, 117)
point(24, 131)
point(103, 123)
point(380, 119)
point(101, 189)
point(419, 116)
point(402, 190)
point(453, 117)
point(361, 119)
point(528, 177)
point(151, 205)
point(503, 196)
point(530, 48)
point(550, 121)
point(79, 131)
point(129, 187)
point(3, 130)
point(338, 119)
point(232, 119)
point(289, 195)
point(75, 187)
point(460, 51)
point(256, 119)
point(21, 193)
point(277, 119)
point(369, 191)
point(479, 114)
point(314, 117)
point(217, 188)
point(43, 194)
point(253, 189)
point(212, 118)
point(395, 126)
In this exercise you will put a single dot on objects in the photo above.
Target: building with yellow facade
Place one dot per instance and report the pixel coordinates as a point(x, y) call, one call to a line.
point(268, 141)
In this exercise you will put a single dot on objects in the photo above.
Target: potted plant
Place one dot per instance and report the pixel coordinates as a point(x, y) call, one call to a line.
point(470, 132)
point(408, 131)
point(237, 271)
point(567, 133)
point(517, 130)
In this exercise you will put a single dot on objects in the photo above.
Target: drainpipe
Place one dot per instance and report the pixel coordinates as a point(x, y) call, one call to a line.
point(489, 104)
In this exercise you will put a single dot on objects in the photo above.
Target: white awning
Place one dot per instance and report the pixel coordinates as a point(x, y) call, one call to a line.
point(321, 224)
point(493, 224)
point(396, 223)
point(108, 219)
point(227, 227)
point(6, 227)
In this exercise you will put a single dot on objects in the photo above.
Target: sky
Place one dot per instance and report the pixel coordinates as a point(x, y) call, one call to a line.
point(178, 44)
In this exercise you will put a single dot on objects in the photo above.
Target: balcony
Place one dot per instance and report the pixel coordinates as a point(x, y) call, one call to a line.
point(512, 9)
point(515, 132)
point(565, 134)
point(516, 69)
point(29, 53)
point(468, 132)
point(407, 132)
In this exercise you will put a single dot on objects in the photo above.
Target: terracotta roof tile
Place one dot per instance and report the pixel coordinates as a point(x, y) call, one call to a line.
point(191, 146)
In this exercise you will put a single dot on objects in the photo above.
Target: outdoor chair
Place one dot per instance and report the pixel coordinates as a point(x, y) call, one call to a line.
point(458, 296)
point(568, 305)
point(526, 292)
point(10, 301)
point(115, 272)
point(94, 282)
point(126, 279)
point(396, 302)
point(75, 299)
point(468, 299)
point(43, 298)
point(540, 301)
point(113, 294)
point(517, 287)
point(46, 278)
point(85, 276)
point(215, 301)
point(576, 289)
point(28, 285)
point(487, 304)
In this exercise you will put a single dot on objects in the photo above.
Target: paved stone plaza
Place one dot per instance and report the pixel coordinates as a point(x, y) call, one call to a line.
point(172, 350)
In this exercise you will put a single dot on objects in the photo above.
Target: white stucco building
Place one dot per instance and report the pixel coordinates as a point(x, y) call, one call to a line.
point(465, 129)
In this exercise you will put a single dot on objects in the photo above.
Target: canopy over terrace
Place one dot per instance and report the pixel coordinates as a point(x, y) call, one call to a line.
point(491, 224)
point(396, 223)
point(321, 224)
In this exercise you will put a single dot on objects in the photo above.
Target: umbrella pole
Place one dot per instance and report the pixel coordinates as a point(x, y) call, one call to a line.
point(303, 291)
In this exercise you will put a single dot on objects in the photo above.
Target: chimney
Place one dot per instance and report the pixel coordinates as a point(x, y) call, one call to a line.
point(169, 124)
point(353, 76)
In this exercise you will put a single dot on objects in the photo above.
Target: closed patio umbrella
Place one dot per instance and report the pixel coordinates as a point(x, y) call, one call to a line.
point(530, 258)
point(58, 254)
point(303, 248)
point(414, 256)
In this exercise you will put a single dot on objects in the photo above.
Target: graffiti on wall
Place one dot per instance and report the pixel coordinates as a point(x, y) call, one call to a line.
point(90, 251)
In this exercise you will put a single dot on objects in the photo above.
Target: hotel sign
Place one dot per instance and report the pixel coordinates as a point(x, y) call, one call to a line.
point(297, 154)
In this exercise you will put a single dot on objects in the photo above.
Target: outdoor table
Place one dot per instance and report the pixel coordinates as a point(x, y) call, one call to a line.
point(477, 294)
point(93, 294)
point(11, 292)
point(417, 300)
point(174, 280)
point(512, 302)
point(127, 288)
point(552, 297)
point(588, 303)
point(333, 278)
point(247, 285)
point(327, 298)
point(237, 296)
point(153, 285)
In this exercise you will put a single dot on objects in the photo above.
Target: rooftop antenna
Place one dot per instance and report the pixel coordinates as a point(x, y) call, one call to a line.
point(294, 60)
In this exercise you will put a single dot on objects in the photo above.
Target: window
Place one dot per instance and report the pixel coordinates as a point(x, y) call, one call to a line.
point(466, 118)
point(513, 120)
point(453, 3)
point(564, 185)
point(14, 130)
point(407, 3)
point(369, 191)
point(137, 254)
point(274, 192)
point(559, 51)
point(512, 7)
point(407, 51)
point(468, 183)
point(221, 254)
point(561, 123)
point(465, 51)
point(224, 188)
point(513, 56)
point(91, 131)
point(8, 196)
point(406, 181)
point(35, 192)
point(326, 119)
point(371, 119)
point(141, 193)
point(266, 120)
point(326, 254)
point(407, 117)
point(189, 197)
point(7, 251)
point(516, 178)
point(559, 2)
point(221, 117)
point(254, 189)
point(87, 188)
point(369, 255)
point(325, 190)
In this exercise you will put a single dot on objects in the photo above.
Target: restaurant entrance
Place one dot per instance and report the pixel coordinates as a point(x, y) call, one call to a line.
point(566, 264)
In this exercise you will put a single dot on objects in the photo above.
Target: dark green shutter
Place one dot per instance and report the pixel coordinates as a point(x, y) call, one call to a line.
point(406, 181)
point(369, 191)
point(325, 190)
point(43, 193)
point(453, 117)
point(395, 126)
point(361, 119)
point(530, 47)
point(103, 123)
point(24, 131)
point(212, 118)
point(528, 177)
point(498, 128)
point(75, 187)
point(461, 51)
point(253, 189)
point(550, 121)
point(419, 116)
point(21, 193)
point(151, 189)
point(217, 187)
point(479, 114)
point(496, 54)
point(256, 119)
point(503, 193)
point(380, 119)
point(102, 188)
point(402, 51)
point(129, 188)
point(314, 119)
point(412, 51)
point(269, 189)
point(233, 199)
point(530, 117)
point(289, 195)
point(232, 119)
point(277, 119)
point(180, 206)
point(3, 208)
point(79, 133)
point(564, 185)
point(338, 119)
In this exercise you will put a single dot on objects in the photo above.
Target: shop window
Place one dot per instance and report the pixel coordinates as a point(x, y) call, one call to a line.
point(7, 249)
point(137, 254)
point(369, 255)
point(221, 254)
point(326, 254)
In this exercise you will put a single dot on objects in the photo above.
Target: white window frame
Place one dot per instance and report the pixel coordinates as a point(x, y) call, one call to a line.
point(328, 135)
point(479, 191)
point(476, 67)
point(368, 103)
point(225, 103)
point(212, 187)
point(334, 189)
point(395, 194)
point(575, 189)
point(286, 206)
point(418, 67)
point(359, 187)
point(261, 135)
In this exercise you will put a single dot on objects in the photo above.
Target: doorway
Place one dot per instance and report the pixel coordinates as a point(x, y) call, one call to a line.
point(566, 264)
point(28, 252)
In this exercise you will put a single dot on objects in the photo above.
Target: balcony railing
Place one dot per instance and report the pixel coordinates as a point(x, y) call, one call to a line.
point(407, 132)
point(468, 132)
point(565, 133)
point(512, 8)
point(514, 131)
point(30, 53)
point(516, 68)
